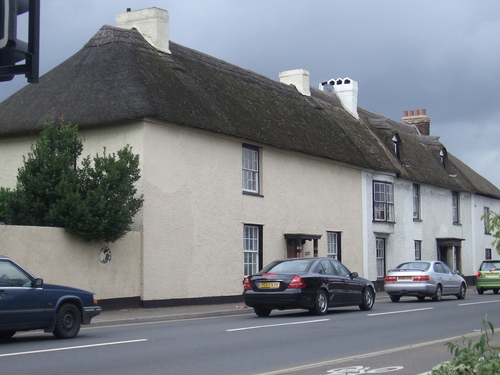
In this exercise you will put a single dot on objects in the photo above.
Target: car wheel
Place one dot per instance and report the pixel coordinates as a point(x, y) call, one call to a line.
point(495, 291)
point(7, 335)
point(438, 294)
point(395, 298)
point(368, 299)
point(68, 321)
point(480, 291)
point(461, 293)
point(421, 298)
point(321, 306)
point(261, 311)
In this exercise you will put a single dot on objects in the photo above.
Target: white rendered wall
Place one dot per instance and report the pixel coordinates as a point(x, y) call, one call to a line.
point(195, 210)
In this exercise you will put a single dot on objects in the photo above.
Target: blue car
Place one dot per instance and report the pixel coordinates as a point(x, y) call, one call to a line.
point(26, 303)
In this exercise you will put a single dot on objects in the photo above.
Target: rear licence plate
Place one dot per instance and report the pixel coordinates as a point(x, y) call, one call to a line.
point(405, 278)
point(269, 285)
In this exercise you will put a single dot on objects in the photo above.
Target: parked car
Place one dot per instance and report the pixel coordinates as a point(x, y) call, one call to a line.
point(424, 279)
point(26, 303)
point(315, 284)
point(488, 276)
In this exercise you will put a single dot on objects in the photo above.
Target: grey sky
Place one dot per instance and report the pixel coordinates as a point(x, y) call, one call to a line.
point(441, 55)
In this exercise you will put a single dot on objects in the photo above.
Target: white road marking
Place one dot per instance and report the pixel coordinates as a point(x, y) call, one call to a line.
point(401, 311)
point(363, 356)
point(277, 325)
point(72, 348)
point(477, 303)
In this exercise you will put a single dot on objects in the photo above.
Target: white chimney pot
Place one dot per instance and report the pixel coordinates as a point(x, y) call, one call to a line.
point(152, 23)
point(298, 78)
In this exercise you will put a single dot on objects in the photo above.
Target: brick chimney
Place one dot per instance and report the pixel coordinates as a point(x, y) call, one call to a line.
point(298, 78)
point(152, 23)
point(347, 91)
point(419, 119)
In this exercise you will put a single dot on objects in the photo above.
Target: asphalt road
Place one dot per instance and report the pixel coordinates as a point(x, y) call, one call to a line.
point(404, 338)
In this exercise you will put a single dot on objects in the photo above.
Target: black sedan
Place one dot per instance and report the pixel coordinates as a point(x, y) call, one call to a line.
point(26, 303)
point(315, 284)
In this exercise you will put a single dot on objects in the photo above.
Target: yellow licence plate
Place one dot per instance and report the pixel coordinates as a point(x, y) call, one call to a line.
point(405, 278)
point(269, 285)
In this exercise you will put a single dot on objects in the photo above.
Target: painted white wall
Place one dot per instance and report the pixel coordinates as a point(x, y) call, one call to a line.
point(195, 210)
point(59, 258)
point(436, 222)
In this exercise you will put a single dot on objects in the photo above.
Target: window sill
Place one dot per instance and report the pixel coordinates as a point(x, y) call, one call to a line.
point(252, 194)
point(417, 220)
point(458, 224)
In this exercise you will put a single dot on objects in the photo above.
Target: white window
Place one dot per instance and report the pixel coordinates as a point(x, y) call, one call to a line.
point(416, 201)
point(383, 201)
point(418, 250)
point(380, 243)
point(455, 207)
point(486, 218)
point(333, 245)
point(251, 249)
point(250, 169)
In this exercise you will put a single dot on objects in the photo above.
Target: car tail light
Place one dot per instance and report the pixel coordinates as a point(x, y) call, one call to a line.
point(390, 279)
point(246, 284)
point(420, 279)
point(268, 274)
point(297, 283)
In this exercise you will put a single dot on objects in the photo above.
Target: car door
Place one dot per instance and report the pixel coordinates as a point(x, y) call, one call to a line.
point(334, 283)
point(21, 303)
point(453, 280)
point(352, 288)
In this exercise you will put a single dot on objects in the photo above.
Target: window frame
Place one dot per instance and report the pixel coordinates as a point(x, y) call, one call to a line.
point(416, 202)
point(333, 245)
point(250, 169)
point(380, 248)
point(383, 201)
point(455, 206)
point(252, 249)
point(417, 244)
point(486, 217)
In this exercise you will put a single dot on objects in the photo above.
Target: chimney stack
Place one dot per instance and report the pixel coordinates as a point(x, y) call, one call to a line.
point(152, 23)
point(419, 119)
point(346, 90)
point(298, 78)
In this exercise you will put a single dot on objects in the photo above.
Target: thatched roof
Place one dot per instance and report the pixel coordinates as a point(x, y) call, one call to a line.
point(118, 77)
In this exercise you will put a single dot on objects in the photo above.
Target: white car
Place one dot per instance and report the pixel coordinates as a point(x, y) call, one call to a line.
point(422, 279)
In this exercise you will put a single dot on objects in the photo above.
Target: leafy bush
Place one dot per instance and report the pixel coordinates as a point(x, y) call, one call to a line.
point(471, 358)
point(96, 200)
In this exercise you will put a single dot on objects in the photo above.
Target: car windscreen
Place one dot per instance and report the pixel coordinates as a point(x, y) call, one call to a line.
point(414, 266)
point(288, 266)
point(487, 266)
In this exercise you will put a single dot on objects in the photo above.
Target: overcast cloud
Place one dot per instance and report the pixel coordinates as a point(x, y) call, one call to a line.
point(441, 55)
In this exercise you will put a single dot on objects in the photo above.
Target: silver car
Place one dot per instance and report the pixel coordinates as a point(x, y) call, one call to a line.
point(422, 279)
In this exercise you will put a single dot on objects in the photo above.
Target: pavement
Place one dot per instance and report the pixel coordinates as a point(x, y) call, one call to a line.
point(157, 314)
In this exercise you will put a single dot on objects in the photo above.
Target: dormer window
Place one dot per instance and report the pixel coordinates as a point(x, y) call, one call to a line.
point(444, 155)
point(396, 141)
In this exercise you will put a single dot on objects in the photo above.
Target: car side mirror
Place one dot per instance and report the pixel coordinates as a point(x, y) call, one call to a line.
point(38, 282)
point(354, 275)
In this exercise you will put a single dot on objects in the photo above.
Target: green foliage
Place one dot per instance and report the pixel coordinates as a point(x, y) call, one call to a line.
point(107, 196)
point(3, 204)
point(45, 179)
point(492, 222)
point(95, 201)
point(472, 358)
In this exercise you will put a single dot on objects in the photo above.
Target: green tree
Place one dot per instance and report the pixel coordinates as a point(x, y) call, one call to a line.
point(95, 201)
point(492, 221)
point(46, 179)
point(107, 196)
